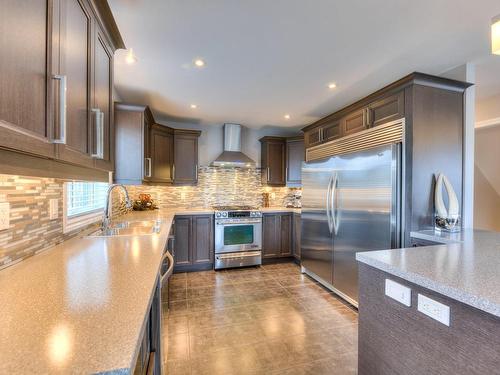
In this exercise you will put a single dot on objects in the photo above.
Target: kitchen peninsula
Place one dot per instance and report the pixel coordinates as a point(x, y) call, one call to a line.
point(460, 272)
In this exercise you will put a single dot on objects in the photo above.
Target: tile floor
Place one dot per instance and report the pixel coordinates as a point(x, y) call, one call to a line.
point(266, 320)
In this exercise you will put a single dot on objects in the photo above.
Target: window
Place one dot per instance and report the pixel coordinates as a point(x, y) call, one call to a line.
point(83, 203)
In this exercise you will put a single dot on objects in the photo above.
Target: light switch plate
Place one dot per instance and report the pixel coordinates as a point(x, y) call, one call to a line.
point(53, 209)
point(434, 309)
point(398, 292)
point(4, 216)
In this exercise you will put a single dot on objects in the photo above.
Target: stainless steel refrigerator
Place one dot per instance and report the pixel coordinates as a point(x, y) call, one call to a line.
point(350, 203)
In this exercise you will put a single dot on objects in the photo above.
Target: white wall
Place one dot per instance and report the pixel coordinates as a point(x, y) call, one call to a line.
point(211, 139)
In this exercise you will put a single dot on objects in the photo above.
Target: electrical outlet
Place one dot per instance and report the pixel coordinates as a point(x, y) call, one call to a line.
point(4, 216)
point(398, 292)
point(434, 309)
point(53, 209)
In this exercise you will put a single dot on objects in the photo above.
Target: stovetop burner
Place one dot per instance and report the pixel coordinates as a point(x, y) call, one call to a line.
point(235, 208)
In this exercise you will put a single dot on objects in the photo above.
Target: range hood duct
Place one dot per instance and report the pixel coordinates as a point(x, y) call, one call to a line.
point(232, 157)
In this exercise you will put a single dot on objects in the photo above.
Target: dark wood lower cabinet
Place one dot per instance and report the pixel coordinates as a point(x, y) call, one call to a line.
point(396, 339)
point(193, 248)
point(296, 235)
point(277, 235)
point(149, 358)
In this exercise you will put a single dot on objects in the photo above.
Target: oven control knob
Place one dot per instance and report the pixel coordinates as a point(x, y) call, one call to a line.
point(217, 214)
point(224, 214)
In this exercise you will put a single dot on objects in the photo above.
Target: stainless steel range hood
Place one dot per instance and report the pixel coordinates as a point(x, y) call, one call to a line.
point(232, 157)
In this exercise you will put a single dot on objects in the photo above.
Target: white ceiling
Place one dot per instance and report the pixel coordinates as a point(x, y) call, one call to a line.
point(266, 58)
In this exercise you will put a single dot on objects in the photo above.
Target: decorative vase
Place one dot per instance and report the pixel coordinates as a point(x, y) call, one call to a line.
point(446, 218)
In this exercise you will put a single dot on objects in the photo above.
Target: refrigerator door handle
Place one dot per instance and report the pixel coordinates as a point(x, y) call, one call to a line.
point(329, 204)
point(334, 210)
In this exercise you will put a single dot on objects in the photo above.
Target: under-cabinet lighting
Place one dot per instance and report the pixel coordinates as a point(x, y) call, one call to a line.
point(495, 35)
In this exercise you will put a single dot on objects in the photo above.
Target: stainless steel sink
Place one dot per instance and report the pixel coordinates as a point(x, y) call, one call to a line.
point(130, 228)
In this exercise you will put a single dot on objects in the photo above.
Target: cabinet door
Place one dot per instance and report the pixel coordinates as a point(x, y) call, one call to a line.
point(387, 109)
point(161, 153)
point(203, 248)
point(185, 159)
point(312, 137)
point(102, 129)
point(354, 122)
point(271, 243)
point(74, 45)
point(296, 235)
point(275, 163)
point(285, 229)
point(24, 120)
point(182, 248)
point(294, 158)
point(331, 131)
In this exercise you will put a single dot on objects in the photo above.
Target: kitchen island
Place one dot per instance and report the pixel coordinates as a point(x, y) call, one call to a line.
point(461, 274)
point(82, 306)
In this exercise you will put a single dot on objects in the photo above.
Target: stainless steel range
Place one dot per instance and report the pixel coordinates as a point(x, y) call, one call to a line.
point(238, 236)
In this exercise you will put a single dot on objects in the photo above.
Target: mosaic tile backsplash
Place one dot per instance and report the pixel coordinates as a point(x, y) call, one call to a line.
point(216, 187)
point(31, 231)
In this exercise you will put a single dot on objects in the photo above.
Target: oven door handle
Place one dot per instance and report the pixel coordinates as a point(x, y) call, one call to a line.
point(238, 255)
point(222, 222)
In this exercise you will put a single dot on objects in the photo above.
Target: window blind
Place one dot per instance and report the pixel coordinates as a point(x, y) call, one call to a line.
point(85, 197)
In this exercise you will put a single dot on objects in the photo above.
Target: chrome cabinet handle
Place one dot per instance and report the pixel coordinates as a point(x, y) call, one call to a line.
point(286, 173)
point(173, 171)
point(196, 172)
point(148, 169)
point(99, 129)
point(268, 174)
point(167, 274)
point(62, 109)
point(320, 134)
point(368, 115)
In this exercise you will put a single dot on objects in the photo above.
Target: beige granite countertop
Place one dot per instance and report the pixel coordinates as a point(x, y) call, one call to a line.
point(280, 209)
point(80, 306)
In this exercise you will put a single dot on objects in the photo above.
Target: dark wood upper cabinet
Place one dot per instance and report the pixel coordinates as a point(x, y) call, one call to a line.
point(57, 68)
point(147, 152)
point(161, 155)
point(331, 131)
point(186, 156)
point(73, 42)
point(273, 153)
point(313, 137)
point(25, 124)
point(355, 122)
point(295, 155)
point(102, 111)
point(387, 109)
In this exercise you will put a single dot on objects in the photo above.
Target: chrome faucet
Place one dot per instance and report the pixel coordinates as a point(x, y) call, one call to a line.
point(128, 204)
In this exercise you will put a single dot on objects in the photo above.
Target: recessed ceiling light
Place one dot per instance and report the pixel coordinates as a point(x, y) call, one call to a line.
point(287, 117)
point(495, 35)
point(199, 63)
point(131, 58)
point(194, 106)
point(332, 85)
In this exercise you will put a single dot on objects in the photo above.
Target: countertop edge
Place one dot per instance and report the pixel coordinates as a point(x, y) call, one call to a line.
point(429, 237)
point(455, 294)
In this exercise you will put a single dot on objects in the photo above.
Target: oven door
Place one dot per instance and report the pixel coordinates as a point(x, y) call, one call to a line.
point(238, 235)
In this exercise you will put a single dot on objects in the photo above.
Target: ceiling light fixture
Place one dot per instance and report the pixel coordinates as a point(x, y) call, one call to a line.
point(194, 106)
point(332, 85)
point(495, 35)
point(131, 58)
point(287, 117)
point(199, 63)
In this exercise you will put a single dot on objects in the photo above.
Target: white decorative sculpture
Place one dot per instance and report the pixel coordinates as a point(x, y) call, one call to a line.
point(446, 218)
